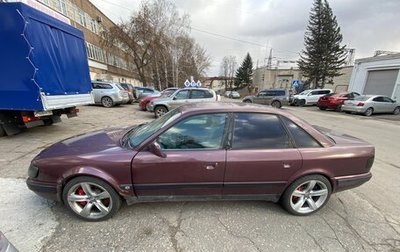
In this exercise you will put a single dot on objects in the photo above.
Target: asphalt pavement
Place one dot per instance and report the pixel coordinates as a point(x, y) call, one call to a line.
point(363, 219)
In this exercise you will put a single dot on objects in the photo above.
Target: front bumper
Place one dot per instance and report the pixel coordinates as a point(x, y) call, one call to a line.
point(352, 181)
point(43, 189)
point(150, 107)
point(355, 109)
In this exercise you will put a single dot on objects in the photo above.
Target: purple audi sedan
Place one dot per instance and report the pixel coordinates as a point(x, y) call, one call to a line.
point(202, 151)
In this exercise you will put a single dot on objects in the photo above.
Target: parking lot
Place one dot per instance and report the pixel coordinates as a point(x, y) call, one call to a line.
point(363, 219)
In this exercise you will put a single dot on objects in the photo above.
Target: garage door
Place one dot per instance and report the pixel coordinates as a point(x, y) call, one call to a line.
point(381, 82)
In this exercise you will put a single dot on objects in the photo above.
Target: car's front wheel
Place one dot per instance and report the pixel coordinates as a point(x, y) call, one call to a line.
point(160, 111)
point(307, 195)
point(90, 198)
point(396, 111)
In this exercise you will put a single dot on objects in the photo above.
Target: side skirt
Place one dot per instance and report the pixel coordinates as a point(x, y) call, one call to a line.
point(130, 200)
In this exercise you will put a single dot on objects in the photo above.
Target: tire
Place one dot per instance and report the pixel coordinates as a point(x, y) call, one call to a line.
point(322, 108)
point(91, 194)
point(298, 198)
point(2, 131)
point(276, 104)
point(369, 112)
point(160, 111)
point(48, 122)
point(396, 111)
point(107, 102)
point(302, 103)
point(247, 101)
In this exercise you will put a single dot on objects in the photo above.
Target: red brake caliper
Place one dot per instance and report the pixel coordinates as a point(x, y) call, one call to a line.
point(301, 188)
point(80, 191)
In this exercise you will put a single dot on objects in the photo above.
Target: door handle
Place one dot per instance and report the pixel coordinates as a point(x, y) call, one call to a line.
point(211, 166)
point(286, 166)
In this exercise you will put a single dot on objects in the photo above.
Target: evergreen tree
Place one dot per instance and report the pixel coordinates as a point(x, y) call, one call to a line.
point(244, 74)
point(323, 55)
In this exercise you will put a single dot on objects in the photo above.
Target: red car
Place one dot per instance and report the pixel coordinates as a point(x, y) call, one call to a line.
point(165, 93)
point(202, 151)
point(335, 100)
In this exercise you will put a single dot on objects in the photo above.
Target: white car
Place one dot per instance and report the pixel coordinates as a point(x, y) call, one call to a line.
point(308, 97)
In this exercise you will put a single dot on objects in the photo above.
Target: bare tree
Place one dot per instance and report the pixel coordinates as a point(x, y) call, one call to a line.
point(157, 39)
point(228, 68)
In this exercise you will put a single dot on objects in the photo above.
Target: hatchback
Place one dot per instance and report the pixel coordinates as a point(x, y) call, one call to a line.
point(232, 151)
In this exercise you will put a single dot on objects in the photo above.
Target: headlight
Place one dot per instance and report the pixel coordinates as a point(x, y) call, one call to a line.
point(33, 171)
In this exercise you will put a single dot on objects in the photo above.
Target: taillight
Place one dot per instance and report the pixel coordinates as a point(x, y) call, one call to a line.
point(360, 104)
point(27, 119)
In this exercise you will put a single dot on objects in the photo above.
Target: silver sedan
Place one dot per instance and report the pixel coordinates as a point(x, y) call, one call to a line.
point(371, 104)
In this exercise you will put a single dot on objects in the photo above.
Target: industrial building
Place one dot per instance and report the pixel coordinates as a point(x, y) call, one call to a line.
point(377, 75)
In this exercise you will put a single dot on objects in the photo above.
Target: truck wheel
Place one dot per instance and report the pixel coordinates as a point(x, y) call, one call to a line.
point(2, 131)
point(48, 122)
point(107, 102)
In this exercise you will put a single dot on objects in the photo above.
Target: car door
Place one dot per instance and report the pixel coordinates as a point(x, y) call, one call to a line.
point(388, 105)
point(269, 96)
point(97, 91)
point(180, 98)
point(259, 97)
point(378, 104)
point(194, 162)
point(261, 158)
point(197, 95)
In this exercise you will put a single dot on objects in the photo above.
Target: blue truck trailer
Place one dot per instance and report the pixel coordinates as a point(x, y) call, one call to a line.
point(44, 71)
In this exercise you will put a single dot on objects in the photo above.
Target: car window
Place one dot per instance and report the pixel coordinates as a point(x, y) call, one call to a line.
point(314, 93)
point(209, 94)
point(96, 86)
point(324, 92)
point(106, 86)
point(387, 99)
point(378, 99)
point(197, 94)
point(262, 93)
point(259, 131)
point(119, 86)
point(362, 98)
point(181, 95)
point(269, 93)
point(196, 132)
point(280, 93)
point(300, 136)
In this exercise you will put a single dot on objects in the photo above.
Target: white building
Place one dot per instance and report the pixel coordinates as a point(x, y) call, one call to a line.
point(377, 75)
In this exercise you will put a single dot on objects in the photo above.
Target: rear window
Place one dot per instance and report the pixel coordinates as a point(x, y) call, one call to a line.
point(301, 137)
point(119, 86)
point(362, 98)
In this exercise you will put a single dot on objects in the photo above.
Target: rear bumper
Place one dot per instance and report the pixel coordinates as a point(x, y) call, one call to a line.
point(352, 181)
point(326, 104)
point(45, 190)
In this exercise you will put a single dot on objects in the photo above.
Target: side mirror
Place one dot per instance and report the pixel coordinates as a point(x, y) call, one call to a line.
point(155, 148)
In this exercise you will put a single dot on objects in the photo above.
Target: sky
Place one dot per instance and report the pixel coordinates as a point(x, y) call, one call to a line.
point(235, 27)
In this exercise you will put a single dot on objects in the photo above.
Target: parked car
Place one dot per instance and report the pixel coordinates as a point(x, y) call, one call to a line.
point(109, 94)
point(308, 97)
point(202, 151)
point(141, 92)
point(232, 94)
point(161, 106)
point(371, 104)
point(165, 93)
point(334, 100)
point(274, 97)
point(129, 88)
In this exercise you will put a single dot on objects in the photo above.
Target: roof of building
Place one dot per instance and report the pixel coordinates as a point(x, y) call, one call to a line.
point(378, 58)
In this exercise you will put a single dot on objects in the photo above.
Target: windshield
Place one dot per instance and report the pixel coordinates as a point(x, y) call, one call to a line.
point(144, 131)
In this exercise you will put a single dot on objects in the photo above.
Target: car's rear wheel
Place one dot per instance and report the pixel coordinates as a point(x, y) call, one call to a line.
point(90, 198)
point(107, 102)
point(396, 111)
point(247, 101)
point(276, 104)
point(369, 112)
point(160, 111)
point(307, 195)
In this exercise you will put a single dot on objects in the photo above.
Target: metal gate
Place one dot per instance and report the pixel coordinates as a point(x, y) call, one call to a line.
point(381, 82)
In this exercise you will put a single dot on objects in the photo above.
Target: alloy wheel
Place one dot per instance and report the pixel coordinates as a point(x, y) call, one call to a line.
point(368, 112)
point(107, 102)
point(89, 200)
point(396, 111)
point(276, 104)
point(160, 111)
point(309, 196)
